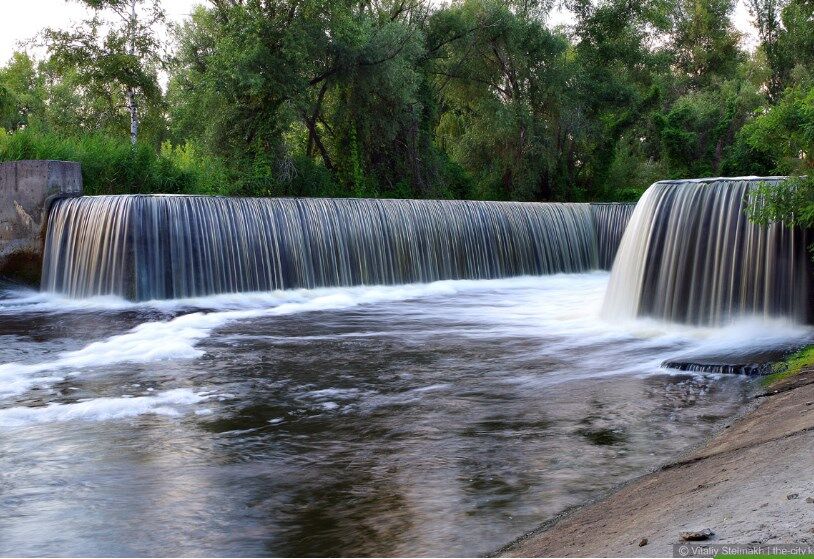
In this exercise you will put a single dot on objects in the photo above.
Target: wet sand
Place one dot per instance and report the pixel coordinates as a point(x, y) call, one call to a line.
point(753, 482)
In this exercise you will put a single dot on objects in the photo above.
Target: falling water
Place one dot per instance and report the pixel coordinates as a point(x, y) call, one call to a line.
point(691, 255)
point(610, 221)
point(161, 247)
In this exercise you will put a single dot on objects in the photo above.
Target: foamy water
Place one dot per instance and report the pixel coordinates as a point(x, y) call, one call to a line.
point(101, 408)
point(566, 306)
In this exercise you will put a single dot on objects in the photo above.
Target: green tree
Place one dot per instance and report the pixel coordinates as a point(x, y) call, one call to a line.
point(118, 60)
point(704, 41)
point(249, 67)
point(795, 43)
point(699, 129)
point(766, 16)
point(620, 80)
point(501, 77)
point(784, 135)
point(290, 86)
point(471, 99)
point(21, 92)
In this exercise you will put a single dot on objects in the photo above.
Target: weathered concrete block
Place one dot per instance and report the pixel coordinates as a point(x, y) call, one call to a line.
point(27, 189)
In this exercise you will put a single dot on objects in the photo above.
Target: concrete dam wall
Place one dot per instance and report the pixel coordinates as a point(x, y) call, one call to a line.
point(27, 190)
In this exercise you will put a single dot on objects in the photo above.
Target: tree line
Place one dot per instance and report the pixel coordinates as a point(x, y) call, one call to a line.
point(480, 99)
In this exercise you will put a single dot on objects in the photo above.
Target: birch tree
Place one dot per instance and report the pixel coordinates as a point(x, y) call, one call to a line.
point(116, 52)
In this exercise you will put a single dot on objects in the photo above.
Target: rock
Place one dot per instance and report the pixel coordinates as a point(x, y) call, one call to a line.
point(697, 536)
point(642, 542)
point(792, 496)
point(809, 500)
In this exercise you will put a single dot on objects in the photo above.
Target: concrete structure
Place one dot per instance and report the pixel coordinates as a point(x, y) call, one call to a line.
point(27, 189)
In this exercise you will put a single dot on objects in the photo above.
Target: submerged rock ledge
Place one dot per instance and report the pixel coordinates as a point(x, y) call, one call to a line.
point(738, 485)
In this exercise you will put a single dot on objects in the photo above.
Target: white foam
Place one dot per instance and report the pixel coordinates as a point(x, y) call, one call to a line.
point(751, 331)
point(36, 301)
point(337, 393)
point(101, 409)
point(432, 387)
point(147, 342)
point(178, 338)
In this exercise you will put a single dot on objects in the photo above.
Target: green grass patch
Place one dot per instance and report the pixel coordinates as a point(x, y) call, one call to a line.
point(792, 365)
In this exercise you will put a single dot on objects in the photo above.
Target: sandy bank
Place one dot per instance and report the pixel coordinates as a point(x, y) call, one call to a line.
point(741, 485)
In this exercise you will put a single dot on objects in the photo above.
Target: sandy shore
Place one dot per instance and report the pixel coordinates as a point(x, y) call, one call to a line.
point(753, 482)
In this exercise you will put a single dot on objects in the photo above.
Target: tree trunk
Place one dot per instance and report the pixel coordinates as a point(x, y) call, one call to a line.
point(130, 93)
point(132, 106)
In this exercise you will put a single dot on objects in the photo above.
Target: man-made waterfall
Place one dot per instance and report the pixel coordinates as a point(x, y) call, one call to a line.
point(610, 221)
point(691, 255)
point(160, 247)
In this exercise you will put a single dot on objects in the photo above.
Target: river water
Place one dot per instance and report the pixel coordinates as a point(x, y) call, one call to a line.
point(436, 419)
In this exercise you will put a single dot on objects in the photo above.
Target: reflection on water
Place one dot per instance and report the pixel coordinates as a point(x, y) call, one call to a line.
point(443, 419)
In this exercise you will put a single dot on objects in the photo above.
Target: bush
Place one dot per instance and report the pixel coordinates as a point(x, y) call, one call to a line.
point(113, 166)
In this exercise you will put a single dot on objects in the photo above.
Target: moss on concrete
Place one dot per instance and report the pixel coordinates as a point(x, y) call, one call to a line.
point(792, 365)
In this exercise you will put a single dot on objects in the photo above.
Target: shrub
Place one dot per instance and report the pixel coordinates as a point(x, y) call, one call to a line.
point(113, 166)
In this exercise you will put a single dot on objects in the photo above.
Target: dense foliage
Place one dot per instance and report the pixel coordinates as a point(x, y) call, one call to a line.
point(410, 98)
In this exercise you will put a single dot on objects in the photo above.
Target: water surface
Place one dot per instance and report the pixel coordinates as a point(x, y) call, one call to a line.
point(437, 419)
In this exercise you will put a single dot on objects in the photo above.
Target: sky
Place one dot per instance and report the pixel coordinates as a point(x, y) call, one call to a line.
point(22, 20)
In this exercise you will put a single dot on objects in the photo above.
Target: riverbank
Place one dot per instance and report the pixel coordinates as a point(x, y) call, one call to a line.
point(753, 482)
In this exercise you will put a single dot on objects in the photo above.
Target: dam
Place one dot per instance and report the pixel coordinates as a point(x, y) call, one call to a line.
point(691, 255)
point(355, 377)
point(166, 247)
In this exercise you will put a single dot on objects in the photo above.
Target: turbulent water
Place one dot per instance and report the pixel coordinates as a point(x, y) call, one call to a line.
point(691, 255)
point(426, 419)
point(165, 247)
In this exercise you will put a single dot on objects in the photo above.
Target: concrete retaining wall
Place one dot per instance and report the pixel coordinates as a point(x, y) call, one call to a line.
point(27, 189)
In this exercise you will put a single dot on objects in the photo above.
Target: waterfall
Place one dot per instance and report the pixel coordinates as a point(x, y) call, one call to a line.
point(691, 255)
point(159, 247)
point(610, 221)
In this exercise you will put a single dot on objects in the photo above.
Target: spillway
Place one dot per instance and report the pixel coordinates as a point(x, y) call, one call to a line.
point(610, 221)
point(163, 247)
point(690, 254)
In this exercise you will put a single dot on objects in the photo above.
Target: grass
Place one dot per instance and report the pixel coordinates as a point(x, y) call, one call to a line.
point(791, 366)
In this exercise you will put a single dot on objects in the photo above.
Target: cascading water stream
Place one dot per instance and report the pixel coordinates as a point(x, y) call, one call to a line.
point(691, 255)
point(162, 247)
point(610, 221)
